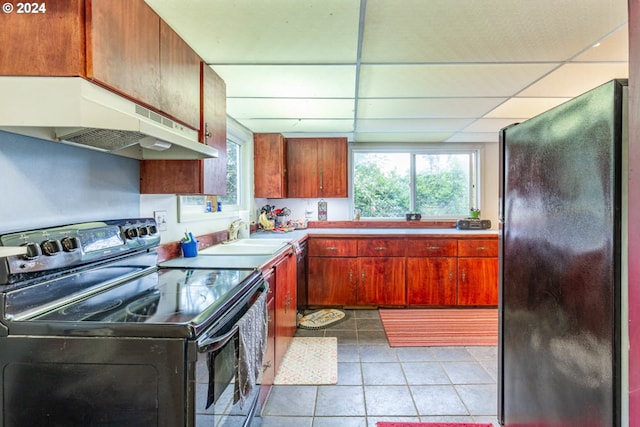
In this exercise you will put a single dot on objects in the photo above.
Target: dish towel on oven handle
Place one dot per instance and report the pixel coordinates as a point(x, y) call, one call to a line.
point(252, 344)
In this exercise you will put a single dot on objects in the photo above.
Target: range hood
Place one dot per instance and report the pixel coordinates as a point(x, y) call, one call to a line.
point(75, 111)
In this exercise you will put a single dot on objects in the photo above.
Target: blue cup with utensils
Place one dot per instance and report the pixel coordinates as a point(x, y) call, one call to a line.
point(190, 248)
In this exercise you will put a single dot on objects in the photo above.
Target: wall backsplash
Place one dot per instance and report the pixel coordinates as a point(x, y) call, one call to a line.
point(47, 183)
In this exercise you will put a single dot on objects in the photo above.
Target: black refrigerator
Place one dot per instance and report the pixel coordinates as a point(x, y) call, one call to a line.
point(561, 245)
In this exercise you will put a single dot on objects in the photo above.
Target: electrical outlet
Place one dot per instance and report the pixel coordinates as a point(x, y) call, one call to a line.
point(161, 220)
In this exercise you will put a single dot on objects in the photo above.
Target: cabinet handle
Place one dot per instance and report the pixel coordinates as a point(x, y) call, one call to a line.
point(450, 276)
point(266, 366)
point(332, 248)
point(207, 133)
point(363, 274)
point(321, 180)
point(350, 276)
point(482, 248)
point(433, 248)
point(464, 274)
point(380, 248)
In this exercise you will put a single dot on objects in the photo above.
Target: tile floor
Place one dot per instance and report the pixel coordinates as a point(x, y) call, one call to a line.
point(380, 383)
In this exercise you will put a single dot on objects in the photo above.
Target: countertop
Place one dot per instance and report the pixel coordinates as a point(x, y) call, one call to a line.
point(259, 261)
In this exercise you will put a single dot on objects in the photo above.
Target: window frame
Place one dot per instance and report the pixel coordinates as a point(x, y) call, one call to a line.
point(475, 160)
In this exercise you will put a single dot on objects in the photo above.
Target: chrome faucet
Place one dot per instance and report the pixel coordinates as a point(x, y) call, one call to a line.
point(234, 228)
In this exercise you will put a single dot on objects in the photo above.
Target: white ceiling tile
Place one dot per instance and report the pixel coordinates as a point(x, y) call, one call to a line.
point(395, 108)
point(298, 125)
point(411, 125)
point(492, 125)
point(271, 32)
point(397, 81)
point(615, 47)
point(488, 30)
point(474, 137)
point(399, 137)
point(574, 79)
point(525, 107)
point(274, 108)
point(288, 81)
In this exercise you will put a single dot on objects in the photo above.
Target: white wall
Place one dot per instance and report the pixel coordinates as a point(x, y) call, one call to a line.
point(44, 183)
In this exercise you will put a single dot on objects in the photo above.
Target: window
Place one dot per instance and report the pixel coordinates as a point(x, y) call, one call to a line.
point(233, 175)
point(434, 183)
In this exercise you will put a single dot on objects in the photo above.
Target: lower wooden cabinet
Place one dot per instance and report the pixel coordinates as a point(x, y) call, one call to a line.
point(285, 305)
point(269, 360)
point(432, 281)
point(477, 281)
point(399, 272)
point(331, 281)
point(381, 281)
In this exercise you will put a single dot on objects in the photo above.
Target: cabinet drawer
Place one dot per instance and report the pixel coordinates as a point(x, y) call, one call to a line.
point(381, 247)
point(482, 248)
point(333, 247)
point(432, 247)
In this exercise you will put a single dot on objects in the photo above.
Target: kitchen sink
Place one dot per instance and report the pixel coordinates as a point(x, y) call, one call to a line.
point(247, 247)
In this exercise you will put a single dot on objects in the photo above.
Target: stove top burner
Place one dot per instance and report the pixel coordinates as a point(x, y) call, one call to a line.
point(103, 307)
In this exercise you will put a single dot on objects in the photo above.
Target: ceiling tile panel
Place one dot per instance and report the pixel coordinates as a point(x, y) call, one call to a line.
point(412, 125)
point(298, 125)
point(525, 107)
point(564, 81)
point(402, 137)
point(288, 81)
point(474, 137)
point(266, 32)
point(396, 81)
point(397, 108)
point(274, 108)
point(487, 30)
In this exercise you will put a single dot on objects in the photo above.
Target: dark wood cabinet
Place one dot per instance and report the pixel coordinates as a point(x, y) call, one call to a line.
point(432, 272)
point(396, 271)
point(270, 165)
point(44, 44)
point(381, 269)
point(285, 305)
point(317, 167)
point(179, 78)
point(332, 281)
point(123, 39)
point(122, 45)
point(432, 281)
point(478, 272)
point(207, 176)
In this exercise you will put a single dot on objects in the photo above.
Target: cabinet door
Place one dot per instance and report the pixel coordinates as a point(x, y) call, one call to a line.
point(179, 78)
point(302, 166)
point(123, 39)
point(477, 281)
point(270, 165)
point(268, 362)
point(332, 167)
point(431, 281)
point(331, 281)
point(214, 130)
point(44, 44)
point(382, 281)
point(286, 310)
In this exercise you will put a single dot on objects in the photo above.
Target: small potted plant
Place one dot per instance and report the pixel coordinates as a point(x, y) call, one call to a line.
point(474, 213)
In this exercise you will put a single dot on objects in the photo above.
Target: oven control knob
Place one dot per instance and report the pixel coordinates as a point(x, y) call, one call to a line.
point(33, 251)
point(51, 247)
point(143, 231)
point(70, 244)
point(153, 230)
point(131, 233)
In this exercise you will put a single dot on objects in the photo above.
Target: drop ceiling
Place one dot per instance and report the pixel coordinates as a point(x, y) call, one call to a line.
point(401, 71)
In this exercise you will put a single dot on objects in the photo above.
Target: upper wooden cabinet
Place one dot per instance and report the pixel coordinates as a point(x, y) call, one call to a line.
point(270, 165)
point(44, 44)
point(208, 176)
point(121, 44)
point(317, 167)
point(123, 39)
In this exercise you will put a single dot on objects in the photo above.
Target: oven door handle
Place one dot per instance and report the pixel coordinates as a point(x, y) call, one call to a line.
point(216, 343)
